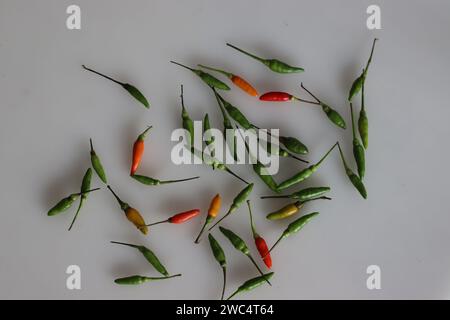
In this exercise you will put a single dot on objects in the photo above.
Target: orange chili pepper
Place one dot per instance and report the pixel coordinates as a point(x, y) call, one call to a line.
point(213, 211)
point(138, 151)
point(179, 217)
point(238, 81)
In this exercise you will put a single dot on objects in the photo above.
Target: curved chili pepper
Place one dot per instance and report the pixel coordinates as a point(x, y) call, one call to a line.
point(187, 122)
point(276, 96)
point(273, 64)
point(149, 256)
point(305, 173)
point(97, 165)
point(179, 217)
point(303, 195)
point(363, 122)
point(252, 284)
point(260, 243)
point(354, 179)
point(155, 182)
point(132, 214)
point(131, 89)
point(138, 150)
point(206, 77)
point(290, 209)
point(238, 81)
point(240, 245)
point(293, 145)
point(85, 185)
point(358, 149)
point(213, 211)
point(66, 203)
point(136, 279)
point(219, 255)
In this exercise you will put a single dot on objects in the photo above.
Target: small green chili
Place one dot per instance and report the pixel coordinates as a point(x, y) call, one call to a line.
point(136, 279)
point(85, 186)
point(187, 122)
point(97, 165)
point(252, 284)
point(358, 149)
point(155, 182)
point(219, 254)
point(304, 194)
point(66, 203)
point(206, 77)
point(355, 180)
point(363, 122)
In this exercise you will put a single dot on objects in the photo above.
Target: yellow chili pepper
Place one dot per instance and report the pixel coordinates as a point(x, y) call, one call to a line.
point(213, 211)
point(286, 211)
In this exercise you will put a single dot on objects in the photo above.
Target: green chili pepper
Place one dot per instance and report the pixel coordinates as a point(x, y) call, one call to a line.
point(273, 64)
point(66, 203)
point(187, 122)
point(304, 174)
point(240, 245)
point(219, 254)
point(206, 77)
point(155, 182)
point(131, 89)
point(290, 209)
point(363, 122)
point(149, 255)
point(304, 194)
point(97, 165)
point(85, 185)
point(295, 227)
point(355, 180)
point(357, 84)
point(252, 284)
point(261, 171)
point(208, 137)
point(282, 152)
point(293, 145)
point(237, 202)
point(358, 150)
point(136, 279)
point(235, 114)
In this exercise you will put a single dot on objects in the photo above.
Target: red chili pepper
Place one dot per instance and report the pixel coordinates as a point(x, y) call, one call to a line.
point(277, 96)
point(138, 151)
point(260, 243)
point(179, 217)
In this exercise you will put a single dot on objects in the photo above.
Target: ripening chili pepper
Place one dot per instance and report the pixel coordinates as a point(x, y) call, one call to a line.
point(136, 279)
point(213, 211)
point(357, 84)
point(240, 245)
point(132, 214)
point(290, 209)
point(206, 77)
point(295, 227)
point(238, 81)
point(85, 186)
point(252, 284)
point(66, 203)
point(97, 165)
point(305, 173)
point(237, 202)
point(273, 64)
point(363, 122)
point(304, 194)
point(187, 122)
point(179, 217)
point(358, 149)
point(148, 255)
point(155, 182)
point(260, 243)
point(354, 179)
point(219, 255)
point(138, 150)
point(130, 89)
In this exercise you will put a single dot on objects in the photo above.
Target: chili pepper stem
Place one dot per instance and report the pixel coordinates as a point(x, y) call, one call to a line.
point(116, 196)
point(102, 75)
point(220, 220)
point(76, 215)
point(353, 121)
point(342, 157)
point(247, 53)
point(371, 54)
point(84, 192)
point(227, 74)
point(305, 101)
point(274, 197)
point(326, 154)
point(234, 293)
point(234, 174)
point(224, 269)
point(178, 180)
point(362, 96)
point(125, 244)
point(144, 133)
point(297, 158)
point(310, 93)
point(252, 225)
point(257, 267)
point(197, 240)
point(182, 65)
point(275, 244)
point(92, 147)
point(159, 222)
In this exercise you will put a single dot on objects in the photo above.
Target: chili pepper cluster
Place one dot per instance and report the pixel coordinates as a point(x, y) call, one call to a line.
point(234, 118)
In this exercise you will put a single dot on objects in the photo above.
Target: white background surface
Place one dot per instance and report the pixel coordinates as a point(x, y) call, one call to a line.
point(50, 107)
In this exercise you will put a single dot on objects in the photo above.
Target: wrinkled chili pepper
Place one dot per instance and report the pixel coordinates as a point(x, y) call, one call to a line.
point(290, 209)
point(237, 202)
point(358, 149)
point(354, 179)
point(238, 81)
point(155, 182)
point(240, 245)
point(132, 214)
point(295, 227)
point(219, 255)
point(302, 195)
point(66, 203)
point(260, 243)
point(206, 77)
point(136, 279)
point(97, 165)
point(363, 122)
point(138, 150)
point(252, 284)
point(305, 173)
point(179, 217)
point(149, 256)
point(85, 186)
point(213, 211)
point(273, 64)
point(131, 89)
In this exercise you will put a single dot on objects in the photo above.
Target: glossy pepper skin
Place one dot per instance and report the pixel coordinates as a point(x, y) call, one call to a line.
point(354, 179)
point(285, 212)
point(85, 186)
point(187, 122)
point(138, 151)
point(184, 216)
point(268, 179)
point(276, 96)
point(293, 145)
point(334, 116)
point(363, 122)
point(97, 165)
point(304, 194)
point(358, 149)
point(260, 243)
point(206, 77)
point(213, 211)
point(66, 203)
point(252, 284)
point(137, 279)
point(219, 255)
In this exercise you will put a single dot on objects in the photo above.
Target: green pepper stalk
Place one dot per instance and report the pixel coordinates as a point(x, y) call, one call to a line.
point(155, 182)
point(302, 195)
point(206, 77)
point(363, 122)
point(97, 165)
point(132, 90)
point(219, 255)
point(273, 64)
point(358, 149)
point(294, 227)
point(305, 173)
point(252, 284)
point(136, 279)
point(66, 203)
point(237, 202)
point(240, 245)
point(354, 179)
point(85, 185)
